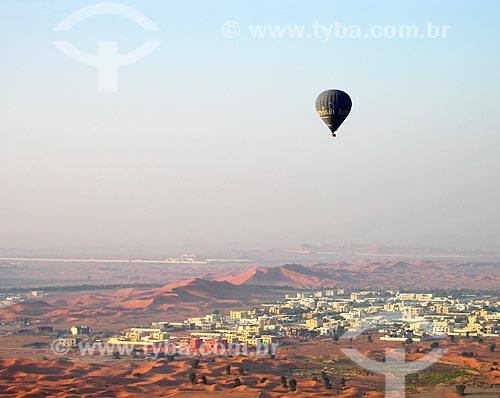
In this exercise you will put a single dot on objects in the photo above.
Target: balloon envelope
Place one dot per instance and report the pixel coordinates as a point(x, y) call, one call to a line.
point(333, 106)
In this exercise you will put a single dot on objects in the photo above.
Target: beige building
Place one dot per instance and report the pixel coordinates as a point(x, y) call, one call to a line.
point(238, 314)
point(444, 326)
point(268, 339)
point(442, 309)
point(68, 342)
point(141, 336)
point(313, 323)
point(250, 328)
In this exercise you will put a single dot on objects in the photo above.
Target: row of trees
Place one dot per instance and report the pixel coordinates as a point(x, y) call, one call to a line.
point(327, 383)
point(193, 379)
point(290, 384)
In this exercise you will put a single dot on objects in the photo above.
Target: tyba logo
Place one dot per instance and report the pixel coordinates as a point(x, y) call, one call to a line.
point(107, 60)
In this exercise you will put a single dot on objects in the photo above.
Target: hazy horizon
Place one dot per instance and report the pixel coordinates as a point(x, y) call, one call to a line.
point(212, 143)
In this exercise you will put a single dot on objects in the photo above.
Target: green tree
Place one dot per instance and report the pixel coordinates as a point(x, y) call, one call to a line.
point(460, 388)
point(283, 382)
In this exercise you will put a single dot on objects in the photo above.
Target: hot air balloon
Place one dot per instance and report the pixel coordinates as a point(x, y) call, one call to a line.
point(333, 106)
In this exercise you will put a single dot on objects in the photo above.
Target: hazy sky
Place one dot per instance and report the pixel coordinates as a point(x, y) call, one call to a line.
point(213, 142)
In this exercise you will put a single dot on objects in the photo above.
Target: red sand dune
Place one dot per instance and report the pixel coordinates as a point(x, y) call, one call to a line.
point(286, 275)
point(137, 378)
point(375, 274)
point(27, 309)
point(191, 295)
point(199, 294)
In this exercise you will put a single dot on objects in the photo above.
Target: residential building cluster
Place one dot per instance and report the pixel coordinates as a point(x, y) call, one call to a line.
point(393, 315)
point(16, 298)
